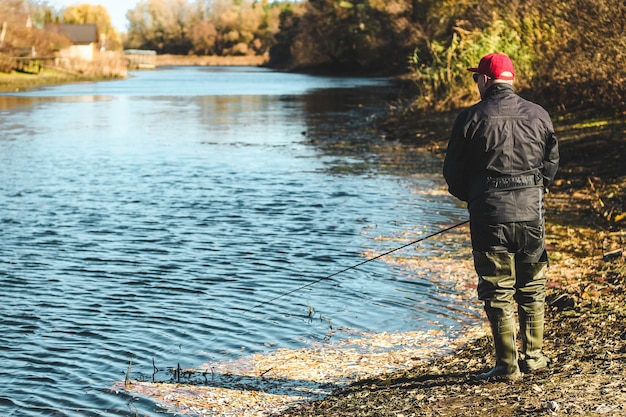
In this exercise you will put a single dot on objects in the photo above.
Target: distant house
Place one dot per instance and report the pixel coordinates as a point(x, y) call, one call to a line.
point(84, 39)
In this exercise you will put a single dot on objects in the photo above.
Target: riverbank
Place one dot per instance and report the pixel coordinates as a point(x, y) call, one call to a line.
point(110, 69)
point(104, 66)
point(17, 81)
point(194, 60)
point(585, 339)
point(585, 333)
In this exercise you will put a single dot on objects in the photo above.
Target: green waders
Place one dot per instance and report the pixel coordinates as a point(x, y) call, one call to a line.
point(501, 282)
point(496, 287)
point(530, 298)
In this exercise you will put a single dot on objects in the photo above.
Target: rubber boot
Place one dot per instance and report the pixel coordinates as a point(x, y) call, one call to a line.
point(531, 305)
point(496, 287)
point(503, 329)
point(531, 331)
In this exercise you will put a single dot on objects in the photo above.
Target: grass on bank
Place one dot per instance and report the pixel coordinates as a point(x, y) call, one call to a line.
point(16, 81)
point(104, 66)
point(111, 66)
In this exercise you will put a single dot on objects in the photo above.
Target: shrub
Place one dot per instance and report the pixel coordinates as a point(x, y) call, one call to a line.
point(444, 82)
point(6, 64)
point(566, 54)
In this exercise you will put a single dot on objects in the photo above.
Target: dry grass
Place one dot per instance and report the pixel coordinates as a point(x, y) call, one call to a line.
point(110, 66)
point(195, 60)
point(104, 66)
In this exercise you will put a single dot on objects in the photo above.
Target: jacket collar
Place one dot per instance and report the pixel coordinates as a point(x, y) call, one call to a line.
point(499, 88)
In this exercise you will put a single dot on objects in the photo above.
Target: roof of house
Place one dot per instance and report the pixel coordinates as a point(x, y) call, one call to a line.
point(77, 34)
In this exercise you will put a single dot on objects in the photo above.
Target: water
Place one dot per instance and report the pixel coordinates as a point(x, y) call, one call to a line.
point(142, 220)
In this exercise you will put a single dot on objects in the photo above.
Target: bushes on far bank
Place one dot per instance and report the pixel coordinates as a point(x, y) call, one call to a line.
point(107, 64)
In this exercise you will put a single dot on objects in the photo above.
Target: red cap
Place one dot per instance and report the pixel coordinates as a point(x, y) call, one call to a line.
point(496, 66)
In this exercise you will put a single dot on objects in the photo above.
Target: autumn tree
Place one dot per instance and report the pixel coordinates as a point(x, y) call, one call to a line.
point(289, 26)
point(220, 27)
point(581, 52)
point(203, 37)
point(354, 36)
point(163, 25)
point(565, 53)
point(90, 14)
point(21, 30)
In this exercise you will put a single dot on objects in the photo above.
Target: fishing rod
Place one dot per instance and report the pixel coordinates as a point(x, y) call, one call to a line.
point(439, 232)
point(177, 370)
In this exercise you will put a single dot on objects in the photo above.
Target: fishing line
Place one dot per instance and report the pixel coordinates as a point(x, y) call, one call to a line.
point(271, 300)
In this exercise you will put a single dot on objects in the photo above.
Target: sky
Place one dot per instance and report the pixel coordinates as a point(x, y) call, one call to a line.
point(117, 9)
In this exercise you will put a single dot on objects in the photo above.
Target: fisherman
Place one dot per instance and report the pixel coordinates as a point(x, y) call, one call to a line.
point(501, 157)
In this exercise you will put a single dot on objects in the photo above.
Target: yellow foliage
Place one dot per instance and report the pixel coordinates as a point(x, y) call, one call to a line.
point(620, 217)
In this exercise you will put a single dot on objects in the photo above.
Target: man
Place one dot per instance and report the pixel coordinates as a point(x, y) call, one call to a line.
point(501, 156)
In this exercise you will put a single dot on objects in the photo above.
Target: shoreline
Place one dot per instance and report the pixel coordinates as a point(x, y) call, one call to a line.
point(585, 340)
point(196, 60)
point(586, 303)
point(586, 306)
point(19, 82)
point(272, 382)
point(585, 334)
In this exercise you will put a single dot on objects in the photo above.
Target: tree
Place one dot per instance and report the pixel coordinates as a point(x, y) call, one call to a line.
point(354, 36)
point(221, 27)
point(203, 37)
point(163, 25)
point(90, 14)
point(288, 28)
point(21, 23)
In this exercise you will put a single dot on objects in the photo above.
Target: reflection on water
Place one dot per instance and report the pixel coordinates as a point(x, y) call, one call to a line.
point(141, 219)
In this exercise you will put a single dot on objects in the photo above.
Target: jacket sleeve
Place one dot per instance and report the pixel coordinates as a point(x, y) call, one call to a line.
point(455, 165)
point(551, 157)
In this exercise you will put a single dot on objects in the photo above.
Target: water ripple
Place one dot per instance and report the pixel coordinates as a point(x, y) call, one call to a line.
point(148, 240)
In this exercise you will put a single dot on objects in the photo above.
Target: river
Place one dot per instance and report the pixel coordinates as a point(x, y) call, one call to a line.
point(152, 219)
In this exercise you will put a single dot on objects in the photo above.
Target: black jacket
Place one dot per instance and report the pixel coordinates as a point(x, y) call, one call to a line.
point(502, 154)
